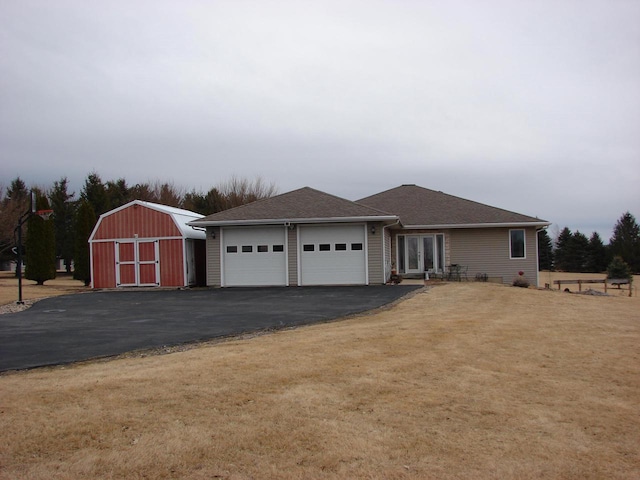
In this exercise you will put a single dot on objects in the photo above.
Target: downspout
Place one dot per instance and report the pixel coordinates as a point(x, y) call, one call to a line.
point(387, 275)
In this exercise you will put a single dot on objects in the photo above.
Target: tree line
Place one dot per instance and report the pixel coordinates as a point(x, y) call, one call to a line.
point(574, 252)
point(65, 235)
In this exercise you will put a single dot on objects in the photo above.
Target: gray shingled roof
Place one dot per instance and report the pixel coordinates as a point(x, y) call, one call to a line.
point(304, 203)
point(418, 206)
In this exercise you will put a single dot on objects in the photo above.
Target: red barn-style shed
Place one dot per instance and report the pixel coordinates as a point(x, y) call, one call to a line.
point(144, 244)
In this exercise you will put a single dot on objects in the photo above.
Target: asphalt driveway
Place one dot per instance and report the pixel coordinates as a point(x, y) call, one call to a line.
point(79, 327)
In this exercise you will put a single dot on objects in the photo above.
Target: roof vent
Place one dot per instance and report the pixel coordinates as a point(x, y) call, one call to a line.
point(408, 184)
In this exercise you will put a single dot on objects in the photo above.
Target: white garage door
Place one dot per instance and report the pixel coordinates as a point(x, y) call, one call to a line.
point(333, 255)
point(254, 256)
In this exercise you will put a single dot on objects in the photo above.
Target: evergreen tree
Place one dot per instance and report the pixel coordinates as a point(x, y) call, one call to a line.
point(117, 193)
point(212, 202)
point(63, 216)
point(95, 193)
point(18, 190)
point(40, 246)
point(618, 268)
point(563, 250)
point(84, 223)
point(596, 255)
point(142, 191)
point(578, 252)
point(195, 202)
point(545, 251)
point(625, 241)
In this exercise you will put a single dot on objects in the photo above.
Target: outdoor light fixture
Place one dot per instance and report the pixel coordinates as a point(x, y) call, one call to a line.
point(213, 234)
point(373, 229)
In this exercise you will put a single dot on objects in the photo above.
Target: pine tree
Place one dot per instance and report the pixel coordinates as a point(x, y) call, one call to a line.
point(579, 252)
point(40, 246)
point(63, 215)
point(618, 268)
point(562, 252)
point(596, 255)
point(117, 193)
point(95, 193)
point(625, 241)
point(545, 251)
point(84, 223)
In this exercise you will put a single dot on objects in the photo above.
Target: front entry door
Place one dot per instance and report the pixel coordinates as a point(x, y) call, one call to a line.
point(419, 254)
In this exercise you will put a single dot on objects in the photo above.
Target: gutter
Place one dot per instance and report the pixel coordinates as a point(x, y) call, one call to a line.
point(477, 225)
point(290, 221)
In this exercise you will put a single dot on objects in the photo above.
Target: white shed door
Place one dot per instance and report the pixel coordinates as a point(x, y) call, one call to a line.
point(333, 255)
point(254, 256)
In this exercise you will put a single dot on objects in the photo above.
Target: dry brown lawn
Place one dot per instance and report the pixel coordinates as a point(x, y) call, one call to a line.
point(461, 381)
point(61, 285)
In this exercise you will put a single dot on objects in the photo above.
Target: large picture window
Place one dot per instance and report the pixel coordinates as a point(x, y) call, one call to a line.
point(517, 243)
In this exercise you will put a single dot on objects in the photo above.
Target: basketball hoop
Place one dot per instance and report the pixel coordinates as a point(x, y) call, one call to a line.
point(44, 214)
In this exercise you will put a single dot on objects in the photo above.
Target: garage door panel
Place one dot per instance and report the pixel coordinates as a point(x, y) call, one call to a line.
point(254, 256)
point(333, 255)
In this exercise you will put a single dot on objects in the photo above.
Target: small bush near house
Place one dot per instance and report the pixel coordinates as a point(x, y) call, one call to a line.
point(521, 281)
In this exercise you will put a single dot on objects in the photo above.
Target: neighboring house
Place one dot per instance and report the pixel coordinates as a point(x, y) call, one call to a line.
point(144, 244)
point(308, 237)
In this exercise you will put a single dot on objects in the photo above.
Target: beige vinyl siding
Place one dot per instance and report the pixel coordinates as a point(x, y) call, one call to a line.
point(292, 256)
point(487, 251)
point(375, 254)
point(388, 262)
point(214, 277)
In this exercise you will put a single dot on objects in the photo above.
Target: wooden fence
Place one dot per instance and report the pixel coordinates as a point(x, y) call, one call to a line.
point(616, 282)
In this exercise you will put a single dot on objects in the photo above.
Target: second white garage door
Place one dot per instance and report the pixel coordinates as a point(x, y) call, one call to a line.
point(333, 255)
point(254, 256)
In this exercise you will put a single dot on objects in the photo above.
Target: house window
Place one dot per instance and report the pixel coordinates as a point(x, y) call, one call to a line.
point(340, 247)
point(263, 248)
point(356, 246)
point(232, 249)
point(324, 247)
point(310, 247)
point(247, 248)
point(278, 248)
point(517, 243)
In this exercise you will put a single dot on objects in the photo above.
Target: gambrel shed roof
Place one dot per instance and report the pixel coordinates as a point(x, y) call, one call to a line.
point(146, 219)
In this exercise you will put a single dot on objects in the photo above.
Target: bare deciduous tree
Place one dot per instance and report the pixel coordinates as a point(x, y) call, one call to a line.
point(240, 191)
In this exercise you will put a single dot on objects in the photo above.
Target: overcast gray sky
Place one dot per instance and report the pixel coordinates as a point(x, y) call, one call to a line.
point(532, 106)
